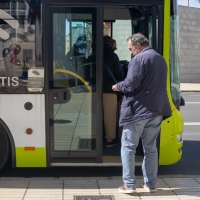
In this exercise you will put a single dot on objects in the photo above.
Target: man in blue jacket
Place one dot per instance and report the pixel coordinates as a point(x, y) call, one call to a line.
point(144, 105)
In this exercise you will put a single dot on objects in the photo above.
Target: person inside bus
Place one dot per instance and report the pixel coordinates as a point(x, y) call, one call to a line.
point(143, 108)
point(114, 45)
point(111, 61)
point(83, 47)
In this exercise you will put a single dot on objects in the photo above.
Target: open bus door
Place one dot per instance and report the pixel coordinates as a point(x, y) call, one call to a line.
point(120, 23)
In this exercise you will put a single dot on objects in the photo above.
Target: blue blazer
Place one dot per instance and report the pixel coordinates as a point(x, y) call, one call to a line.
point(144, 88)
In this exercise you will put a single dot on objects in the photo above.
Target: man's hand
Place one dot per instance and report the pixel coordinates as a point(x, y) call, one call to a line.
point(114, 87)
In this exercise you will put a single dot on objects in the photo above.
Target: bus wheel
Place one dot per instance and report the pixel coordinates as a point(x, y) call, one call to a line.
point(4, 148)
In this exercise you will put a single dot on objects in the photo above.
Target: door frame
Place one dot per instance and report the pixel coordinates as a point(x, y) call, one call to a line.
point(99, 76)
point(99, 52)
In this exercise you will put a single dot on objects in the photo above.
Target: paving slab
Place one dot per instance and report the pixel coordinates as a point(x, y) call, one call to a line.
point(181, 182)
point(12, 195)
point(186, 189)
point(188, 198)
point(42, 191)
point(68, 197)
point(160, 198)
point(128, 197)
point(197, 179)
point(43, 198)
point(10, 198)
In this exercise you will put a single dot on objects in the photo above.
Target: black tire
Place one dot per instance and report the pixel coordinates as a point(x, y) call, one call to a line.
point(4, 148)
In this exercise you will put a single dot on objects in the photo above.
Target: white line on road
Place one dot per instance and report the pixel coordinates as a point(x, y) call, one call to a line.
point(191, 123)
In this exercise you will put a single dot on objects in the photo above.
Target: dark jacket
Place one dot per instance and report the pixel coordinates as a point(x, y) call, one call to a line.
point(144, 88)
point(112, 61)
point(81, 44)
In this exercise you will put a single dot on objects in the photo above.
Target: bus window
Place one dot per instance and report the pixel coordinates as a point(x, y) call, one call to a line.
point(107, 28)
point(18, 46)
point(121, 30)
point(175, 55)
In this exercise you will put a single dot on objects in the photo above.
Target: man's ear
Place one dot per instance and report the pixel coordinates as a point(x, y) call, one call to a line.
point(138, 45)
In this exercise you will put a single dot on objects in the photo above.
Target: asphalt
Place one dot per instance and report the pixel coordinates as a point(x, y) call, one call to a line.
point(170, 187)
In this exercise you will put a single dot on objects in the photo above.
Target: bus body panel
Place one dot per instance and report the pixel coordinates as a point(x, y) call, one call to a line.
point(31, 158)
point(170, 145)
point(30, 148)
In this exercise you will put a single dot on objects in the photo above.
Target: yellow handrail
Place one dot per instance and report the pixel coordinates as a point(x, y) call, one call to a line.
point(74, 74)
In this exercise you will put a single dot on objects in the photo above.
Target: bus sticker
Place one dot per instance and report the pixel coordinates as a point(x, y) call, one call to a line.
point(9, 81)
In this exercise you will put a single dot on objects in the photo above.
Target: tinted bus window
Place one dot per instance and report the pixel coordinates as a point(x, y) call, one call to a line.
point(20, 47)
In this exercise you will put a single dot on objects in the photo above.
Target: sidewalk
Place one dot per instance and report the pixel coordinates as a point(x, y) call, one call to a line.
point(96, 188)
point(190, 87)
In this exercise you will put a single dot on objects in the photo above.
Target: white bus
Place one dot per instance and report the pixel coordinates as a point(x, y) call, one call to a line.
point(50, 114)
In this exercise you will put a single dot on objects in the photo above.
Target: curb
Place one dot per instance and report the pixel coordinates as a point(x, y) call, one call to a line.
point(190, 87)
point(190, 90)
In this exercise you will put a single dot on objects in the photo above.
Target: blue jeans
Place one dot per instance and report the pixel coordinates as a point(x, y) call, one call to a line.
point(148, 130)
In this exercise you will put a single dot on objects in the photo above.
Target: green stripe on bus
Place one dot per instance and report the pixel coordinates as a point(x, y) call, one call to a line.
point(30, 158)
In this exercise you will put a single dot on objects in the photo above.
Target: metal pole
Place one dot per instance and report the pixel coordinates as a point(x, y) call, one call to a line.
point(154, 12)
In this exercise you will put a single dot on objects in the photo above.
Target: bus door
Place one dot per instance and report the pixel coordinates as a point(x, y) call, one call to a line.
point(73, 113)
point(120, 22)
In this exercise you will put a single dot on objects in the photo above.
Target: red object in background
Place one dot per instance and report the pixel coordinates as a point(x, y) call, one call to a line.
point(13, 56)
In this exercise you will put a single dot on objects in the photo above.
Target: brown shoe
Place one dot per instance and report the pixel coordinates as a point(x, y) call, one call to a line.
point(126, 190)
point(152, 190)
